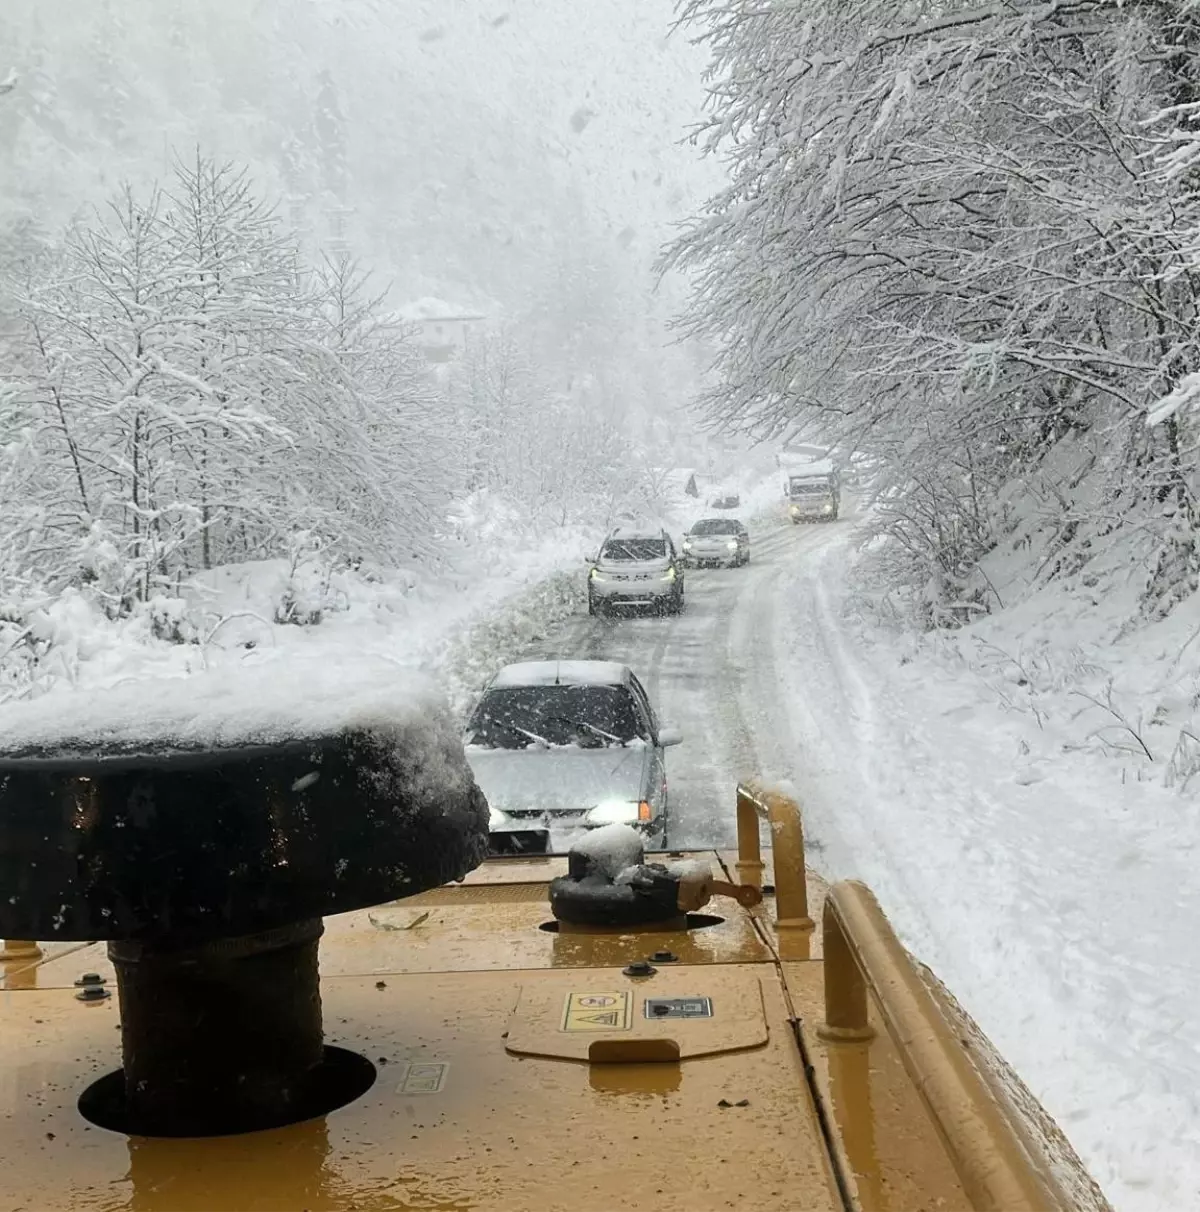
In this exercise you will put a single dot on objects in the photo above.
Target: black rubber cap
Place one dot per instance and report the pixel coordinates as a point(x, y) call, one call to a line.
point(652, 896)
point(189, 846)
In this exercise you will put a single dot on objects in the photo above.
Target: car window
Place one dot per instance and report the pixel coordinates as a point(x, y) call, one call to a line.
point(515, 717)
point(634, 549)
point(715, 526)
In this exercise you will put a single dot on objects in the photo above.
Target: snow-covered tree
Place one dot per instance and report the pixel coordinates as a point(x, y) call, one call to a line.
point(182, 392)
point(946, 242)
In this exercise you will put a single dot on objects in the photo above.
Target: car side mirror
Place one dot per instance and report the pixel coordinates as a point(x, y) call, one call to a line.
point(669, 736)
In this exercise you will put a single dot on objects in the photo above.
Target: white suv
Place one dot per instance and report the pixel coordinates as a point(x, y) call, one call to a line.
point(636, 568)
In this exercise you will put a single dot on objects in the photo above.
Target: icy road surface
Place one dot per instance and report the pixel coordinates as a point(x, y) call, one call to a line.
point(1058, 906)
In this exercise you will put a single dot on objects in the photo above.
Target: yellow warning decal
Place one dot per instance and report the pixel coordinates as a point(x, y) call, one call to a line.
point(600, 1011)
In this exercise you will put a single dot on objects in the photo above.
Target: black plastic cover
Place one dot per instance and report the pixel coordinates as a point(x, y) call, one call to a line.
point(188, 846)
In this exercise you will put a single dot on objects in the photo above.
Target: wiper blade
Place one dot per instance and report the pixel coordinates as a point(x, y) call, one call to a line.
point(584, 726)
point(533, 736)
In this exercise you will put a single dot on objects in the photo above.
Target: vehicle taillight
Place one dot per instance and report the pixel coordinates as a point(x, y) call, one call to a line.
point(644, 812)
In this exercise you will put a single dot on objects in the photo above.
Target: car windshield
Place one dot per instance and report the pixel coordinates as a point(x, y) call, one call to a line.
point(634, 549)
point(811, 488)
point(515, 717)
point(714, 526)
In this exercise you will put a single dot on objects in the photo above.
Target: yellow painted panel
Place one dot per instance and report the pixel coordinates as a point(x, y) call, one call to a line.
point(889, 1142)
point(500, 1134)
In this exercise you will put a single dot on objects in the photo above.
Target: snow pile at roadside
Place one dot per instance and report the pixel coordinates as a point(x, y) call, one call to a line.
point(305, 626)
point(1017, 795)
point(363, 629)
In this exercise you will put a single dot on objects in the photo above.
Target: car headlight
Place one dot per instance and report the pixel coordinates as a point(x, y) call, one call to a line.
point(687, 544)
point(827, 508)
point(732, 544)
point(619, 812)
point(669, 575)
point(495, 818)
point(596, 575)
point(794, 509)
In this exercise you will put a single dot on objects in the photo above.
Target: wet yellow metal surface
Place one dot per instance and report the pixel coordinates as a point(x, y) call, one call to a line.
point(790, 945)
point(890, 1144)
point(485, 926)
point(532, 870)
point(514, 1134)
point(506, 1112)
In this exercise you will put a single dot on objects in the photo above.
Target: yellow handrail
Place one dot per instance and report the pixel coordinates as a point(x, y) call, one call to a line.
point(787, 852)
point(1000, 1168)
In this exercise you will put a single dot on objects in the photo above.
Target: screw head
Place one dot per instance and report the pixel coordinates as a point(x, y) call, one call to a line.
point(90, 978)
point(664, 957)
point(92, 993)
point(640, 968)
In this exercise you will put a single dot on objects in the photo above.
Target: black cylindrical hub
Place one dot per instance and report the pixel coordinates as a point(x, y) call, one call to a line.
point(222, 1037)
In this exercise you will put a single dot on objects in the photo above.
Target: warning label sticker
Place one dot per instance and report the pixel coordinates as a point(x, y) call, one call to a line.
point(599, 1011)
point(426, 1078)
point(678, 1007)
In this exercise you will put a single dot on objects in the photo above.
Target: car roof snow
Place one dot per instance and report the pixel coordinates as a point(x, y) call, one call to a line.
point(819, 467)
point(562, 673)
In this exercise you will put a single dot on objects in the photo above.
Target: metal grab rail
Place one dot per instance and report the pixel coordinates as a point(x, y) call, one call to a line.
point(996, 1161)
point(787, 851)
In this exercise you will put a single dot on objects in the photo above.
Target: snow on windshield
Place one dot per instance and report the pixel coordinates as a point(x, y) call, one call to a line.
point(634, 549)
point(514, 717)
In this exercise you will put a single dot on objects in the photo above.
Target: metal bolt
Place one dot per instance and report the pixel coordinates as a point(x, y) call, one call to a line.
point(90, 978)
point(92, 993)
point(640, 968)
point(664, 957)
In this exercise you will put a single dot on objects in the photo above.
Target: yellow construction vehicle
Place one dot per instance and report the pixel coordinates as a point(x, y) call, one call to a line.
point(704, 1031)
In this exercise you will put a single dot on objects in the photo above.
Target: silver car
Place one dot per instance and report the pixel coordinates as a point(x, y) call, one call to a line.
point(636, 568)
point(717, 541)
point(568, 745)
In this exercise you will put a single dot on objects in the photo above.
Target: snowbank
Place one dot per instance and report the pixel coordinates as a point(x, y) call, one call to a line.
point(1017, 795)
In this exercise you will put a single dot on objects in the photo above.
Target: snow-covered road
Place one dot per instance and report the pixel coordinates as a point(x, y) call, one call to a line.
point(711, 673)
point(1051, 902)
